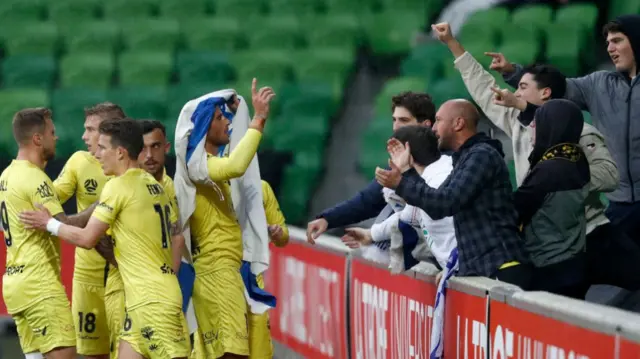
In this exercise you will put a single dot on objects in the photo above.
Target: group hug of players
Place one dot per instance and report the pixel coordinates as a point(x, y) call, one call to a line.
point(126, 300)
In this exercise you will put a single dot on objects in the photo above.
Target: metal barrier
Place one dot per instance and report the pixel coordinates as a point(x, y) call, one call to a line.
point(334, 304)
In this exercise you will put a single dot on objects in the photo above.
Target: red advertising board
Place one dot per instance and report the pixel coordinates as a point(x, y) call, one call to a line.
point(391, 315)
point(518, 334)
point(465, 330)
point(67, 262)
point(310, 314)
point(629, 349)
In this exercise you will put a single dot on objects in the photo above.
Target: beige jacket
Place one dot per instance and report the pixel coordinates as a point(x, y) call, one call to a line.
point(604, 172)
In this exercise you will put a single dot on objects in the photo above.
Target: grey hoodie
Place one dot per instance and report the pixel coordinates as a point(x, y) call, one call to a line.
point(613, 99)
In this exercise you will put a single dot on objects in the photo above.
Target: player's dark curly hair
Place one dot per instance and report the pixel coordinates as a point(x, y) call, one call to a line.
point(149, 125)
point(420, 105)
point(422, 141)
point(126, 133)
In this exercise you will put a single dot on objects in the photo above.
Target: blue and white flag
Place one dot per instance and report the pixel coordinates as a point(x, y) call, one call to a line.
point(437, 332)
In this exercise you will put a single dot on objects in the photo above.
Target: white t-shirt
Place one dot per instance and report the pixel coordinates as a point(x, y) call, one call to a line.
point(439, 234)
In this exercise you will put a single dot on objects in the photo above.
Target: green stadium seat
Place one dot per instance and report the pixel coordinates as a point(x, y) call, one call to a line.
point(21, 10)
point(274, 32)
point(87, 70)
point(426, 61)
point(239, 8)
point(585, 15)
point(30, 38)
point(565, 45)
point(306, 132)
point(520, 52)
point(394, 87)
point(29, 71)
point(12, 101)
point(621, 7)
point(423, 7)
point(494, 17)
point(62, 11)
point(340, 30)
point(170, 128)
point(141, 101)
point(271, 68)
point(537, 16)
point(392, 37)
point(473, 33)
point(349, 6)
point(182, 9)
point(297, 7)
point(179, 95)
point(372, 155)
point(212, 33)
point(331, 65)
point(151, 34)
point(515, 35)
point(203, 67)
point(128, 9)
point(91, 36)
point(448, 89)
point(68, 104)
point(307, 98)
point(145, 68)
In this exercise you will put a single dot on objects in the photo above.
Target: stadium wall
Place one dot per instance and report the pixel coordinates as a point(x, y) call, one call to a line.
point(334, 304)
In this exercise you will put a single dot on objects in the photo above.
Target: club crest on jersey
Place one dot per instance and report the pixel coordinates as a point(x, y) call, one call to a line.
point(44, 190)
point(91, 185)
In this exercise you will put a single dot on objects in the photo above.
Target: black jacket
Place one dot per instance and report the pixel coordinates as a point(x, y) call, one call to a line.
point(550, 202)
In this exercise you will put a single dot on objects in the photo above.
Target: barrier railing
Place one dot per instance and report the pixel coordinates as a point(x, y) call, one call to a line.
point(334, 304)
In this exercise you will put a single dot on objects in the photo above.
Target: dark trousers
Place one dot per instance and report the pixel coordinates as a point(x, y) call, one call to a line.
point(626, 216)
point(613, 258)
point(520, 275)
point(568, 278)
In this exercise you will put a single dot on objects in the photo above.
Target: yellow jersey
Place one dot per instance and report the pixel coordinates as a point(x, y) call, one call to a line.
point(82, 175)
point(114, 280)
point(273, 213)
point(215, 232)
point(139, 213)
point(33, 256)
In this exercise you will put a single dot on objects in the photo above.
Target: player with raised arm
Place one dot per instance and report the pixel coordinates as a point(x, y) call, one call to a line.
point(82, 175)
point(218, 293)
point(138, 211)
point(33, 292)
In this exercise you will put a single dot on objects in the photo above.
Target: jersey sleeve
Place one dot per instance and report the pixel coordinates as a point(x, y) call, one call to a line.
point(65, 184)
point(234, 166)
point(110, 203)
point(272, 210)
point(43, 193)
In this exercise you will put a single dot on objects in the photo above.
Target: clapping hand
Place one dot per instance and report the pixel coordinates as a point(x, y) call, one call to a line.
point(400, 154)
point(356, 237)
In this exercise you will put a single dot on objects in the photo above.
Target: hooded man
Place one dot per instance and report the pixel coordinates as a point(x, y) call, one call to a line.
point(550, 201)
point(610, 97)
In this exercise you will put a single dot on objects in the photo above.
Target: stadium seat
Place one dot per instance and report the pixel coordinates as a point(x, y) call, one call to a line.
point(63, 11)
point(68, 104)
point(621, 7)
point(30, 38)
point(203, 67)
point(151, 34)
point(584, 15)
point(90, 36)
point(305, 132)
point(525, 39)
point(87, 70)
point(307, 98)
point(424, 7)
point(340, 30)
point(565, 45)
point(140, 101)
point(29, 71)
point(21, 10)
point(273, 32)
point(182, 9)
point(387, 37)
point(447, 89)
point(272, 67)
point(12, 101)
point(211, 33)
point(494, 17)
point(170, 128)
point(372, 155)
point(145, 68)
point(240, 9)
point(128, 9)
point(538, 16)
point(520, 52)
point(426, 61)
point(179, 95)
point(331, 65)
point(350, 6)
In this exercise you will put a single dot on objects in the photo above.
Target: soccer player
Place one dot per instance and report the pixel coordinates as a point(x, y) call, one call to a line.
point(82, 175)
point(33, 292)
point(218, 293)
point(260, 345)
point(138, 211)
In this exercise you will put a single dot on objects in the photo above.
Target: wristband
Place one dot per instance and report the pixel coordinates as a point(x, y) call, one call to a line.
point(53, 226)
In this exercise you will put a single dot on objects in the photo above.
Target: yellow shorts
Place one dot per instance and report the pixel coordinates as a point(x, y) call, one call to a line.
point(221, 312)
point(198, 348)
point(46, 325)
point(260, 343)
point(87, 306)
point(157, 331)
point(114, 303)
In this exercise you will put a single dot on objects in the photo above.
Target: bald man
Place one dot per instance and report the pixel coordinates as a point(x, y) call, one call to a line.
point(477, 194)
